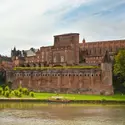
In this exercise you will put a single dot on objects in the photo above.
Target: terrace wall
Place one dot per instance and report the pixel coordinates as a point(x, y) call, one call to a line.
point(84, 81)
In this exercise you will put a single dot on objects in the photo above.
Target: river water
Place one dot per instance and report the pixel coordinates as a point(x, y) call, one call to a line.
point(60, 114)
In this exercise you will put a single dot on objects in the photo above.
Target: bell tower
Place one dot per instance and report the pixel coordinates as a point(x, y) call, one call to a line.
point(13, 53)
point(106, 67)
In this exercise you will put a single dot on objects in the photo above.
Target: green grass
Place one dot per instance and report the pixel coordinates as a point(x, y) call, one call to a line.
point(73, 96)
point(80, 97)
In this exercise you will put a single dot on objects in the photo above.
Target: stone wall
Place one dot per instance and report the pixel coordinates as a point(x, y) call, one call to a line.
point(87, 81)
point(94, 51)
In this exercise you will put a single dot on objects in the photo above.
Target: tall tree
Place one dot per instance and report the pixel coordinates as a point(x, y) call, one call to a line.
point(119, 71)
point(119, 66)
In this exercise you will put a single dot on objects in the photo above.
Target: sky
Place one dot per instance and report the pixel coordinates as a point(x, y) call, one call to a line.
point(33, 23)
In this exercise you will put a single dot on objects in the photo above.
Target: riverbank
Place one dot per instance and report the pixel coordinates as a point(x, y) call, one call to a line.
point(68, 98)
point(71, 101)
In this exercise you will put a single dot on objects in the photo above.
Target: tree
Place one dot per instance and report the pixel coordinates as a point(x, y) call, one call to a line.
point(119, 71)
point(119, 66)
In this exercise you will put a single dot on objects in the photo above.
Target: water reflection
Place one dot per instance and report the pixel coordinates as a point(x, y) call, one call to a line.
point(60, 114)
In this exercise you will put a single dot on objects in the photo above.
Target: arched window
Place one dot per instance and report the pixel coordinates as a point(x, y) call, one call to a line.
point(62, 58)
point(54, 59)
point(39, 82)
point(20, 82)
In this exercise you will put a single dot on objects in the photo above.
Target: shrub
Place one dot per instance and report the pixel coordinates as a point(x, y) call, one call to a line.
point(7, 88)
point(25, 91)
point(7, 93)
point(103, 100)
point(32, 94)
point(17, 93)
point(1, 91)
point(20, 88)
point(12, 93)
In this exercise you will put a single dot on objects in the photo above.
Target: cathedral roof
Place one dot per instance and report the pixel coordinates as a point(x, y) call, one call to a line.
point(31, 52)
point(67, 34)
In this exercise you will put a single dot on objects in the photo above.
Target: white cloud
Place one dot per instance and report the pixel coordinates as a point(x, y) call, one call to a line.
point(28, 23)
point(33, 23)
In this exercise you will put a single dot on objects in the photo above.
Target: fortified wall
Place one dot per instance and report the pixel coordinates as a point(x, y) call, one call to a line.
point(84, 81)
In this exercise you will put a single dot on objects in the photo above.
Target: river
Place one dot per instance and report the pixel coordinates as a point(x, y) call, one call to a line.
point(60, 114)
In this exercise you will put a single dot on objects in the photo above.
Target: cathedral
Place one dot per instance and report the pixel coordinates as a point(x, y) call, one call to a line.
point(67, 51)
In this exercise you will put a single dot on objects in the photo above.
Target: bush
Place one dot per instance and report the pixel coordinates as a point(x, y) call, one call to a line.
point(17, 93)
point(103, 100)
point(7, 88)
point(7, 93)
point(20, 88)
point(25, 91)
point(1, 91)
point(12, 93)
point(32, 94)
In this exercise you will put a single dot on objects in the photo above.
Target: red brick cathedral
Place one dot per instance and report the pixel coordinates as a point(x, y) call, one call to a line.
point(67, 51)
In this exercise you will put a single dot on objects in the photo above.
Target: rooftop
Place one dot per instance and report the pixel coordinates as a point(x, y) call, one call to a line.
point(67, 34)
point(5, 58)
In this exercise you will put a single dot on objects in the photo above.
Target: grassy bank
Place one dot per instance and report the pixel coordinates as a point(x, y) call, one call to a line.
point(45, 96)
point(81, 97)
point(24, 94)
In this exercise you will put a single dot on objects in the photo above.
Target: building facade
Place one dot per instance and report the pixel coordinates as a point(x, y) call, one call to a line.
point(67, 51)
point(93, 52)
point(6, 62)
point(83, 81)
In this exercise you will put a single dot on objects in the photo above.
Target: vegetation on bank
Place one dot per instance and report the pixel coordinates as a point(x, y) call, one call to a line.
point(24, 93)
point(6, 92)
point(57, 67)
point(80, 96)
point(118, 84)
point(119, 72)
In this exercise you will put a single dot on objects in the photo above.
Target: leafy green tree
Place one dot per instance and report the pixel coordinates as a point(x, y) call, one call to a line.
point(4, 84)
point(119, 71)
point(119, 66)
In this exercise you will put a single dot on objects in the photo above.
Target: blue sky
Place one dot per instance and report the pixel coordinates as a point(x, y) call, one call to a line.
point(33, 23)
